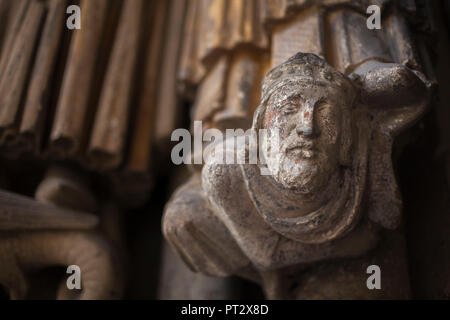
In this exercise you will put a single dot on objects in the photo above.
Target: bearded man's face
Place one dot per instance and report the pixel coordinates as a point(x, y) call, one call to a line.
point(305, 129)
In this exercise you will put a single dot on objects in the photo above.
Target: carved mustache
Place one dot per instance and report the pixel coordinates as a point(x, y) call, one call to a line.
point(305, 145)
point(294, 142)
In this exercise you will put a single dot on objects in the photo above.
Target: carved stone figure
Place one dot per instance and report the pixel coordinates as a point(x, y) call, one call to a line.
point(35, 236)
point(330, 206)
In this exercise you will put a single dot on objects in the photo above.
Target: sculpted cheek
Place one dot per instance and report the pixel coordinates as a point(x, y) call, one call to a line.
point(269, 118)
point(279, 122)
point(329, 128)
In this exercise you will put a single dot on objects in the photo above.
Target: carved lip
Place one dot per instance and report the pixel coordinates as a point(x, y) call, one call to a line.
point(306, 150)
point(303, 146)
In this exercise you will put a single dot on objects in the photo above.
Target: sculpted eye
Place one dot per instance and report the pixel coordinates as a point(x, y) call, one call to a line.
point(289, 108)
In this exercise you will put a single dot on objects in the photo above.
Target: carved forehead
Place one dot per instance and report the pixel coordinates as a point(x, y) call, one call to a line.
point(305, 68)
point(301, 70)
point(305, 91)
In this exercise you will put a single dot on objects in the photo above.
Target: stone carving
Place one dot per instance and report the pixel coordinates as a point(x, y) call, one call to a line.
point(56, 230)
point(331, 201)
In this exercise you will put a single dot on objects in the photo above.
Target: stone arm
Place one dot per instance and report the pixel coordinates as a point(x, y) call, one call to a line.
point(395, 96)
point(231, 204)
point(198, 236)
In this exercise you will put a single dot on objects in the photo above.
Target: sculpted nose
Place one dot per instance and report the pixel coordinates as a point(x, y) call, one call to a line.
point(305, 126)
point(304, 130)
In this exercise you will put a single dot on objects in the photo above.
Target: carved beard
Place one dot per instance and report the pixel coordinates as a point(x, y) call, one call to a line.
point(335, 218)
point(299, 170)
point(301, 174)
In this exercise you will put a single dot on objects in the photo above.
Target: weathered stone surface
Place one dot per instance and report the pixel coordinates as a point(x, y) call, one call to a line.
point(322, 201)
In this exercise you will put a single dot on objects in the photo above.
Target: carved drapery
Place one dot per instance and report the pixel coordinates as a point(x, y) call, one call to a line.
point(220, 34)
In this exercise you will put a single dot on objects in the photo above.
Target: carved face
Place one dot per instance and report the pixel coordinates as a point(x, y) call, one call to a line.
point(307, 130)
